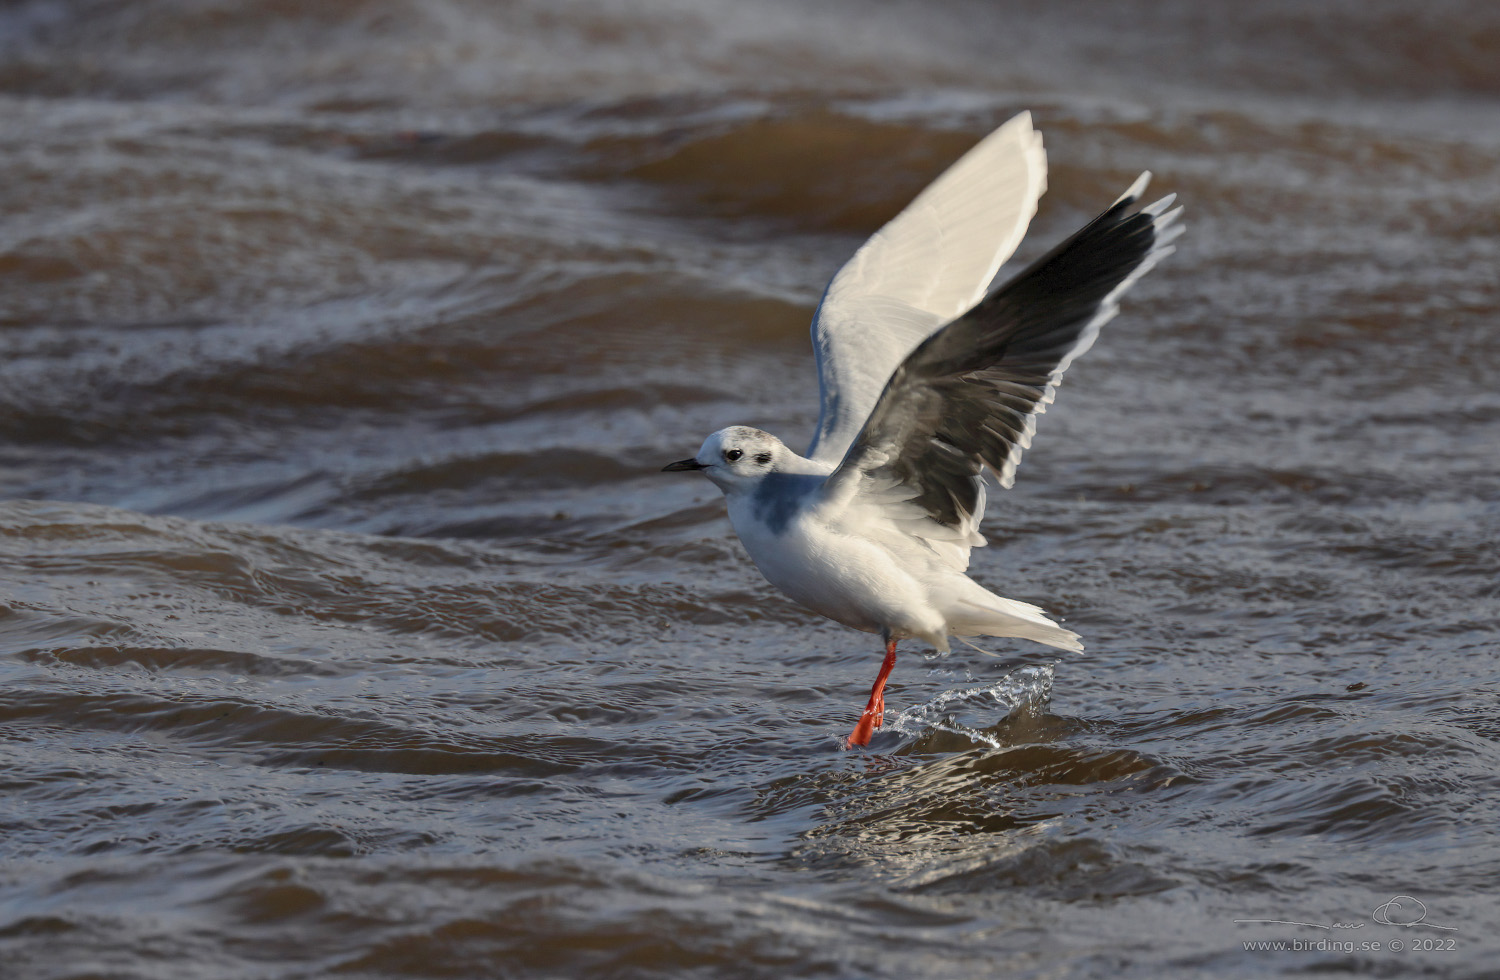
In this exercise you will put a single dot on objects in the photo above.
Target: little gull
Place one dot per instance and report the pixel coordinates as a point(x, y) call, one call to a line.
point(927, 379)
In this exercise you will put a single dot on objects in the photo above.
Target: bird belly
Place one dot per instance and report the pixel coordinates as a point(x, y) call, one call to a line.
point(849, 579)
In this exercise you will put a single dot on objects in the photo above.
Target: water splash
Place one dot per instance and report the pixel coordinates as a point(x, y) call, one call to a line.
point(967, 711)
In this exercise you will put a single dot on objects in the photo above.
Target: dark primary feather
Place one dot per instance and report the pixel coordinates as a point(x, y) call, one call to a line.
point(964, 397)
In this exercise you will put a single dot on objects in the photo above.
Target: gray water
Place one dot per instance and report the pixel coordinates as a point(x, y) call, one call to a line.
point(347, 627)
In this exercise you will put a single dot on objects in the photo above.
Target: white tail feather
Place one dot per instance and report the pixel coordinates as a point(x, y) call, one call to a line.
point(1007, 617)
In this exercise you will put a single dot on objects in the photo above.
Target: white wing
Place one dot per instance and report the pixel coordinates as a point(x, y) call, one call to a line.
point(930, 263)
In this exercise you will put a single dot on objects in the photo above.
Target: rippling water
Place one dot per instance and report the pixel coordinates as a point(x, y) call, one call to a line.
point(348, 628)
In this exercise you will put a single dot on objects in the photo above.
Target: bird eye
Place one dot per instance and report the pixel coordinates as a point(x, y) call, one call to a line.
point(733, 455)
point(763, 458)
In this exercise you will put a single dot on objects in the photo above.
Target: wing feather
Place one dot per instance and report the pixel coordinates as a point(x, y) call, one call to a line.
point(928, 264)
point(967, 397)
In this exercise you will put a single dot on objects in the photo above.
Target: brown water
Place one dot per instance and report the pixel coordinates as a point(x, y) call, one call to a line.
point(348, 629)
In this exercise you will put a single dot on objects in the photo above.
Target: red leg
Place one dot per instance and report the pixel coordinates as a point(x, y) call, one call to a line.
point(874, 713)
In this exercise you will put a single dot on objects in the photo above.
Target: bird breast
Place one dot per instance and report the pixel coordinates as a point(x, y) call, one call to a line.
point(850, 578)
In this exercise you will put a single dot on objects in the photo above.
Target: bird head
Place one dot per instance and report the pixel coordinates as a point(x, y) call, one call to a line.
point(735, 458)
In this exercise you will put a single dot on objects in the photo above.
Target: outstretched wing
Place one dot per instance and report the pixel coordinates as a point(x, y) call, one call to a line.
point(968, 396)
point(928, 264)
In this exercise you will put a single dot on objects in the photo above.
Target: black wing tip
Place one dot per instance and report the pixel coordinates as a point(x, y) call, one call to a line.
point(1162, 224)
point(1134, 192)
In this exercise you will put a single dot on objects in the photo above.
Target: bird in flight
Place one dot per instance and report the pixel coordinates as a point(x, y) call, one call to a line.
point(929, 379)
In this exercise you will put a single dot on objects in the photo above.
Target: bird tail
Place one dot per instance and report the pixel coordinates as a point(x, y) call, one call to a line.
point(995, 616)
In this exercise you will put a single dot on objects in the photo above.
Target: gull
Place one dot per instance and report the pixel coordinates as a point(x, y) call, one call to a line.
point(929, 380)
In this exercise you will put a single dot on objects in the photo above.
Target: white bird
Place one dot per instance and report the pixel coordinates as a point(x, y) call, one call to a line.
point(927, 379)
